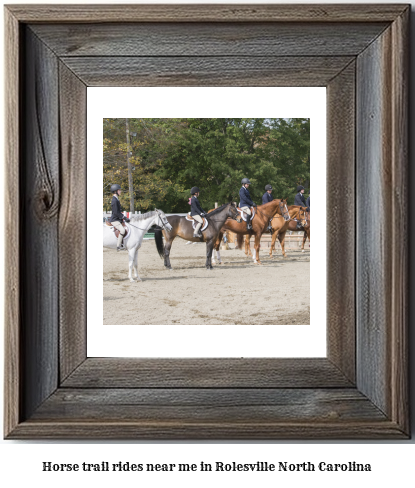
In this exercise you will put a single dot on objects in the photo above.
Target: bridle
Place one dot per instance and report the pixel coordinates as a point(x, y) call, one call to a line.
point(163, 222)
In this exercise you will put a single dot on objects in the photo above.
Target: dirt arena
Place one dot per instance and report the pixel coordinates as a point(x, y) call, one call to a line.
point(236, 292)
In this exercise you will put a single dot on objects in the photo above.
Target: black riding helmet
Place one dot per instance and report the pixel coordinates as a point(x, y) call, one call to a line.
point(268, 187)
point(245, 181)
point(115, 188)
point(194, 190)
point(299, 188)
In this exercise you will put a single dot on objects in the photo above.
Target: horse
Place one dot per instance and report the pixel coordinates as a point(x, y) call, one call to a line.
point(263, 215)
point(292, 225)
point(306, 227)
point(133, 240)
point(279, 225)
point(183, 228)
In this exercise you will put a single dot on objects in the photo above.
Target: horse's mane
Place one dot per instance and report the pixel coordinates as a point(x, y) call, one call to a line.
point(214, 212)
point(136, 218)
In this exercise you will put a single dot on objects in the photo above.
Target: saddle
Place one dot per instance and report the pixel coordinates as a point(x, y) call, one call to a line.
point(243, 214)
point(116, 231)
point(194, 223)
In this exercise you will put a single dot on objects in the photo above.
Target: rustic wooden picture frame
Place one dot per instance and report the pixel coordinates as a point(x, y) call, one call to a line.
point(359, 52)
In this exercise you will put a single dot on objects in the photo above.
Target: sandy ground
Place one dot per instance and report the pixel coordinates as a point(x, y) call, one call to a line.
point(236, 292)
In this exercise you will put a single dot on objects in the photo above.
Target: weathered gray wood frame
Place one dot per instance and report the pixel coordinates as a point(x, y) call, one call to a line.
point(359, 52)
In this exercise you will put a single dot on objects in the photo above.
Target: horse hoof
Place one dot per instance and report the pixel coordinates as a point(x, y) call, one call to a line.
point(302, 250)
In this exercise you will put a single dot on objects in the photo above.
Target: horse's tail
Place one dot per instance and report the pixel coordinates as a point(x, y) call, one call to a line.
point(240, 240)
point(158, 237)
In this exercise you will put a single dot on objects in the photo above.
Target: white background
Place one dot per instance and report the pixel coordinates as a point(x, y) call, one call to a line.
point(392, 462)
point(120, 340)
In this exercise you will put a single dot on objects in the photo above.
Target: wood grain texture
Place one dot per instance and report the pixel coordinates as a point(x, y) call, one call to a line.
point(149, 430)
point(206, 13)
point(382, 249)
point(206, 399)
point(400, 262)
point(39, 217)
point(206, 71)
point(341, 236)
point(72, 222)
point(13, 383)
point(206, 373)
point(209, 39)
point(209, 405)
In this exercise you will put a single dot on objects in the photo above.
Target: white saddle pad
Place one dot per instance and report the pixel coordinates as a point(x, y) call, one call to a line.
point(243, 214)
point(193, 221)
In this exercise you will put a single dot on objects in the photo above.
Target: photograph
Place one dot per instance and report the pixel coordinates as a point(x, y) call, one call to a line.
point(226, 195)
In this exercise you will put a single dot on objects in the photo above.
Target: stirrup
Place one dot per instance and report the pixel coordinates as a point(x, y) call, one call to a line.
point(197, 235)
point(121, 248)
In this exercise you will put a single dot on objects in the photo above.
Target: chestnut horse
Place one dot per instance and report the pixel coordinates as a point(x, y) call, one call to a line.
point(292, 225)
point(279, 226)
point(263, 214)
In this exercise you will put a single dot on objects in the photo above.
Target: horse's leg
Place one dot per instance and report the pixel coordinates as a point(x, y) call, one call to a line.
point(131, 257)
point(167, 247)
point(209, 249)
point(247, 246)
point(136, 265)
point(273, 238)
point(281, 238)
point(304, 239)
point(216, 247)
point(256, 249)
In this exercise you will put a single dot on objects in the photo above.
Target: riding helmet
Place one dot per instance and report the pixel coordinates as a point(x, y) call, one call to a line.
point(194, 190)
point(115, 188)
point(299, 188)
point(268, 187)
point(245, 181)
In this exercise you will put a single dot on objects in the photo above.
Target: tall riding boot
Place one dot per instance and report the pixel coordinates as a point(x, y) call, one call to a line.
point(120, 243)
point(197, 232)
point(248, 222)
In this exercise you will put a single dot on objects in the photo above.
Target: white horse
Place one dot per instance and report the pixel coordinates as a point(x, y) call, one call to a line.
point(136, 229)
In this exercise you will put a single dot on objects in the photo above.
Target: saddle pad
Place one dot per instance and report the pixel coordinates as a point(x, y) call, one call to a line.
point(193, 221)
point(117, 232)
point(243, 214)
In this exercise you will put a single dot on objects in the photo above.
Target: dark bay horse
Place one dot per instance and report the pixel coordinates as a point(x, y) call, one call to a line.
point(183, 228)
point(263, 214)
point(280, 226)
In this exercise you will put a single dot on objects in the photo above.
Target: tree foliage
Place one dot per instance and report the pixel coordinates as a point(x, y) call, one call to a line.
point(170, 156)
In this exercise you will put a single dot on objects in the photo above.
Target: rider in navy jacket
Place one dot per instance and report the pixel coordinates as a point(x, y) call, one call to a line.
point(116, 210)
point(196, 211)
point(299, 198)
point(245, 198)
point(195, 208)
point(246, 201)
point(267, 197)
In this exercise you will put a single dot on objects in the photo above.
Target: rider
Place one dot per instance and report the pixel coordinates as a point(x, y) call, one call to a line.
point(117, 216)
point(196, 211)
point(300, 200)
point(246, 201)
point(266, 198)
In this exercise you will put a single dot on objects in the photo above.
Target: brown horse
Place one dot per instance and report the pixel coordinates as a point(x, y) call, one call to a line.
point(279, 226)
point(292, 225)
point(183, 228)
point(263, 214)
point(306, 230)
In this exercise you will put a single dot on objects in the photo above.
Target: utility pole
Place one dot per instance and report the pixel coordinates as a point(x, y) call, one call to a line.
point(130, 174)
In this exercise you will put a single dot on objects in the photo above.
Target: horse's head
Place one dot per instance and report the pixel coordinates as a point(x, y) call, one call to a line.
point(283, 209)
point(303, 216)
point(233, 213)
point(162, 221)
